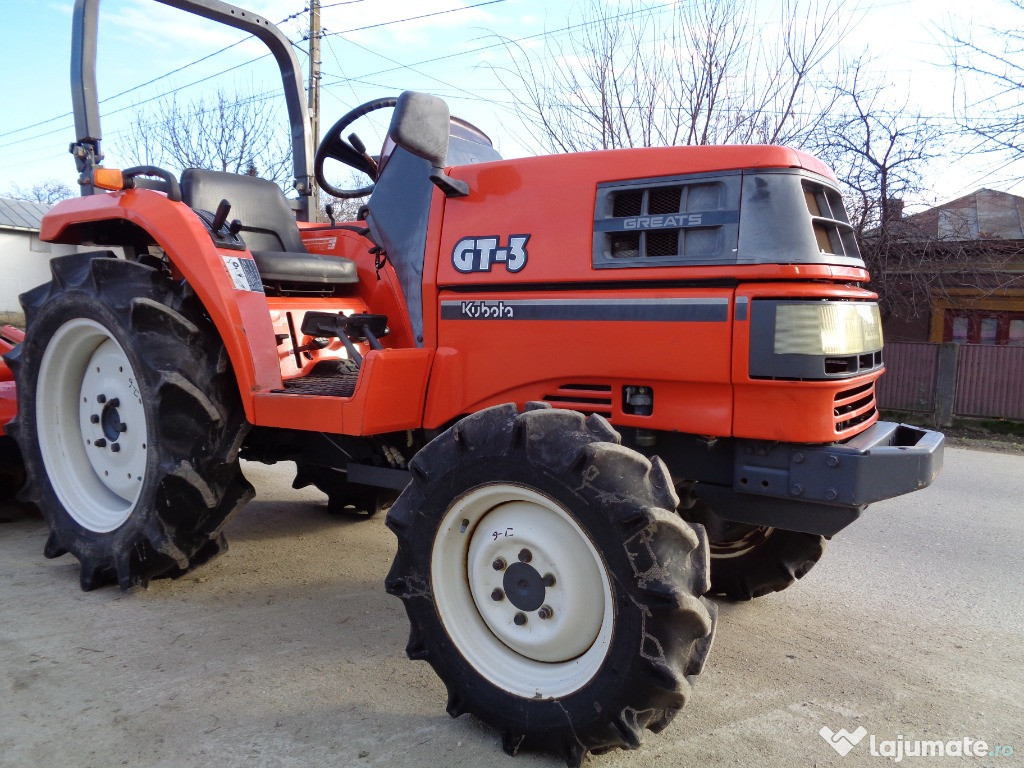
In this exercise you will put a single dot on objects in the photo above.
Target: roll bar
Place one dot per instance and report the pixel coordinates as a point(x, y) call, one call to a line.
point(85, 101)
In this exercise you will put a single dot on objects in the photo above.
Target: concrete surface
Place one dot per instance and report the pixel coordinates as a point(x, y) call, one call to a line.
point(286, 651)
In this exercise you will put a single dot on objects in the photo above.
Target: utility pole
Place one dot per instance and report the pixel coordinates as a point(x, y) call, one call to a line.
point(314, 93)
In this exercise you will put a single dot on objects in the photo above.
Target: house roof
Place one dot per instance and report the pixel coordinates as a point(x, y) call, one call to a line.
point(986, 214)
point(21, 214)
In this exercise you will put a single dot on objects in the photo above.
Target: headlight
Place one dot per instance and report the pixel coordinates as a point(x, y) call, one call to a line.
point(827, 328)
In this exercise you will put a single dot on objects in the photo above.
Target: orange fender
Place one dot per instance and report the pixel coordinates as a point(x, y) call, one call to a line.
point(241, 316)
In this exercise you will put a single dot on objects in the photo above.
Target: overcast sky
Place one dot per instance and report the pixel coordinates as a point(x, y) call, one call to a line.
point(373, 49)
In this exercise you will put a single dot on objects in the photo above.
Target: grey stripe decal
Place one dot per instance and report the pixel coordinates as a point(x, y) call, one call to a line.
point(658, 310)
point(741, 308)
point(667, 221)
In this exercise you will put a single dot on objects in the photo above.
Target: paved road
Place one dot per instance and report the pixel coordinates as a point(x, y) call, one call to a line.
point(287, 652)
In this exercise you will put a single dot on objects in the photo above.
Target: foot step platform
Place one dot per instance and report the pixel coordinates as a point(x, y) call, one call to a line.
point(330, 378)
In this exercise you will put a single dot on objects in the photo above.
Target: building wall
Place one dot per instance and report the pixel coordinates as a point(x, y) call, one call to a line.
point(973, 318)
point(906, 329)
point(25, 260)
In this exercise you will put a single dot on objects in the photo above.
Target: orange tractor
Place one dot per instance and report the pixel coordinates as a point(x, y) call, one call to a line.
point(605, 385)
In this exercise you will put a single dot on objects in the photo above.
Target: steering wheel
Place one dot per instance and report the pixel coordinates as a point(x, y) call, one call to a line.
point(352, 152)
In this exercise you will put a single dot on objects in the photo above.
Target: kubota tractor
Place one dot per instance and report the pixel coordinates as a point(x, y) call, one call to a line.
point(588, 375)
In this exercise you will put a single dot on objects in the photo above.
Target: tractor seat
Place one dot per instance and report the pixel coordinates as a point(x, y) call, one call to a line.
point(268, 228)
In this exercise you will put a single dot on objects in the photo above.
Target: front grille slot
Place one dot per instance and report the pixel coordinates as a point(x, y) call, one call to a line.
point(628, 203)
point(663, 242)
point(664, 200)
point(853, 407)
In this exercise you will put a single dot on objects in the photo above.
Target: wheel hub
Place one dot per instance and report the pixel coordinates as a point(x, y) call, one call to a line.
point(552, 607)
point(522, 591)
point(524, 587)
point(92, 425)
point(110, 420)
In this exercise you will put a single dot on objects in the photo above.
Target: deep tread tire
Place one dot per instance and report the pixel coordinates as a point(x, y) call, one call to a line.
point(193, 421)
point(654, 568)
point(752, 561)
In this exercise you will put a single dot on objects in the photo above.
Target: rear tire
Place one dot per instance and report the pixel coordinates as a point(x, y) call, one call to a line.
point(548, 582)
point(749, 561)
point(129, 421)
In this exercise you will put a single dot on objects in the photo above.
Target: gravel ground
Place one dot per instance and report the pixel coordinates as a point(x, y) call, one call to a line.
point(286, 651)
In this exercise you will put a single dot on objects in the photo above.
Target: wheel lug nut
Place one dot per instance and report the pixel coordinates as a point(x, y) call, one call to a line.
point(115, 447)
point(114, 403)
point(122, 427)
point(101, 398)
point(545, 612)
point(549, 579)
point(520, 619)
point(497, 595)
point(100, 443)
point(499, 564)
point(525, 556)
point(94, 419)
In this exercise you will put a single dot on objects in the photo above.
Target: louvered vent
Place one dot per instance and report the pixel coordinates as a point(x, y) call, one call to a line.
point(854, 407)
point(588, 398)
point(662, 222)
point(832, 230)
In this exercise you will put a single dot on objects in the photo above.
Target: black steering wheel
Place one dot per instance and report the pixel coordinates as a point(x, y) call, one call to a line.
point(352, 152)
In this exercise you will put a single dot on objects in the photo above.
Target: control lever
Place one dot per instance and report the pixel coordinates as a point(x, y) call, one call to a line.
point(221, 215)
point(359, 147)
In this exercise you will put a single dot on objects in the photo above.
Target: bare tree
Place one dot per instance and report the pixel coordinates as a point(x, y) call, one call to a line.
point(990, 78)
point(50, 191)
point(342, 208)
point(880, 151)
point(702, 72)
point(225, 132)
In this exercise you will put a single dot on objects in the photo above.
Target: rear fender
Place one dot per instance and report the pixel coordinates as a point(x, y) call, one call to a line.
point(242, 317)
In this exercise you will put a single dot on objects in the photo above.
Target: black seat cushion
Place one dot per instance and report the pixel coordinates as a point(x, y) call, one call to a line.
point(268, 227)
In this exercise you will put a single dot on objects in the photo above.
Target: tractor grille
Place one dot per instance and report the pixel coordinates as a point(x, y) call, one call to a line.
point(664, 222)
point(853, 407)
point(587, 398)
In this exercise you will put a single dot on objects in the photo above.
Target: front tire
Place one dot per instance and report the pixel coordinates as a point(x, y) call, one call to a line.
point(129, 421)
point(548, 582)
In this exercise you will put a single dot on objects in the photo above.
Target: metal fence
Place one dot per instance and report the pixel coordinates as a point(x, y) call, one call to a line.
point(990, 382)
point(953, 379)
point(909, 380)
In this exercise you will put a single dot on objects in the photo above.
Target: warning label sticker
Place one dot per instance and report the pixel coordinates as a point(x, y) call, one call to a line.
point(324, 244)
point(243, 273)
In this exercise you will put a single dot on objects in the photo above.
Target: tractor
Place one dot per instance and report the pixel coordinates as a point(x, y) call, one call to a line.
point(593, 390)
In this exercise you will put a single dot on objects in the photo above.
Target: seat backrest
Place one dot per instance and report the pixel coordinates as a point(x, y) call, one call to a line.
point(268, 223)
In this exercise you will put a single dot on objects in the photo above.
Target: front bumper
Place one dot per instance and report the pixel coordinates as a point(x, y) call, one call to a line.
point(823, 488)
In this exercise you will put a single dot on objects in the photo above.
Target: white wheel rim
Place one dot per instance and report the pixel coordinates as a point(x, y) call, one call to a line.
point(91, 425)
point(565, 637)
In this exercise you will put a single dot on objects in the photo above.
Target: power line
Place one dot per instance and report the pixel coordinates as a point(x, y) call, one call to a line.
point(415, 18)
point(505, 42)
point(182, 68)
point(225, 71)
